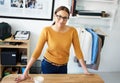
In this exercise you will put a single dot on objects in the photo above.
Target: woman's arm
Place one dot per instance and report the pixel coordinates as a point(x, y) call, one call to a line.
point(81, 61)
point(25, 75)
point(78, 51)
point(30, 63)
point(41, 42)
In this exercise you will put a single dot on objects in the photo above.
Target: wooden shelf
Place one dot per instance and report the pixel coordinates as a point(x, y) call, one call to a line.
point(93, 21)
point(9, 43)
point(11, 39)
point(103, 1)
point(18, 65)
point(90, 17)
point(13, 46)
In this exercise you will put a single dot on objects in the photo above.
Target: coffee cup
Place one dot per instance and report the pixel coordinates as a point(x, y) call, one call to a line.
point(38, 79)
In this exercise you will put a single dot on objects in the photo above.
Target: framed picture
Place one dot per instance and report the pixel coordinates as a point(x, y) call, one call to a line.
point(27, 9)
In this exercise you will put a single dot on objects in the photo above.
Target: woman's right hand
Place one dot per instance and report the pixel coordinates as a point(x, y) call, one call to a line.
point(25, 75)
point(21, 78)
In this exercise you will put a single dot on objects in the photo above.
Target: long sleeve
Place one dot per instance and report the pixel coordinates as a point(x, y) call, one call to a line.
point(76, 45)
point(41, 41)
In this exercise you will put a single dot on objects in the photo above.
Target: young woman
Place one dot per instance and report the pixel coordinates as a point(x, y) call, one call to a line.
point(59, 38)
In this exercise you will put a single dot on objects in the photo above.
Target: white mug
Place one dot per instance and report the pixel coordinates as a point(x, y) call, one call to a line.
point(38, 79)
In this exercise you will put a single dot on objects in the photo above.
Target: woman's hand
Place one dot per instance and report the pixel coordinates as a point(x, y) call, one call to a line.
point(21, 78)
point(88, 73)
point(25, 75)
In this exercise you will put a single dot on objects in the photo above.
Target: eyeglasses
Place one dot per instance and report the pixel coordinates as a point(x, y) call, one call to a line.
point(61, 17)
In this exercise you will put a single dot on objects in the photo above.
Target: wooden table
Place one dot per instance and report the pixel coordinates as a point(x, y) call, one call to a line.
point(58, 78)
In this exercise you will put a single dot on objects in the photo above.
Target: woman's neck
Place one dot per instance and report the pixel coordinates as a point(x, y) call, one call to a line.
point(59, 29)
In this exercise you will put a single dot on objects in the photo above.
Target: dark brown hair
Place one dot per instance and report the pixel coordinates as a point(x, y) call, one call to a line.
point(64, 8)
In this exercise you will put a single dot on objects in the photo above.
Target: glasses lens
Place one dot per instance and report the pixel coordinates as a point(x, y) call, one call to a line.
point(61, 17)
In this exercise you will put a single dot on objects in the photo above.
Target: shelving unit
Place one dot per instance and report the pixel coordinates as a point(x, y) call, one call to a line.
point(105, 1)
point(109, 6)
point(79, 21)
point(10, 44)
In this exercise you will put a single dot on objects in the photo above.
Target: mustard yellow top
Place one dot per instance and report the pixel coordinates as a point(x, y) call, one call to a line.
point(59, 44)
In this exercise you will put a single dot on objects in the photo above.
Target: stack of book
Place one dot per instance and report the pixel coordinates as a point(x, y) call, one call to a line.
point(92, 13)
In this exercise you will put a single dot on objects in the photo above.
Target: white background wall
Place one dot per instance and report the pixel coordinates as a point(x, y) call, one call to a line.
point(110, 55)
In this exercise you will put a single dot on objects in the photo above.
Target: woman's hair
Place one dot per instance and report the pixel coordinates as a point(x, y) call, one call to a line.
point(64, 8)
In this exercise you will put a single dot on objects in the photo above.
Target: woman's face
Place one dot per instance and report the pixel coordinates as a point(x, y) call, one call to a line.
point(61, 18)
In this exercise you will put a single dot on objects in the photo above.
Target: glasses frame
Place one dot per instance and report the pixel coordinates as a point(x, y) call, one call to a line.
point(61, 17)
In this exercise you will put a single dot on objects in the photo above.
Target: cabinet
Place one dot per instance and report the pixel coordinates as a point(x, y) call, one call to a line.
point(105, 23)
point(21, 45)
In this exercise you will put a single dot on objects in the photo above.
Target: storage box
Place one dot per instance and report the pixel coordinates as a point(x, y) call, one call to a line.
point(8, 56)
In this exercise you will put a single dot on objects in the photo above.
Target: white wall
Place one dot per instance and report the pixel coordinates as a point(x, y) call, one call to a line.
point(110, 52)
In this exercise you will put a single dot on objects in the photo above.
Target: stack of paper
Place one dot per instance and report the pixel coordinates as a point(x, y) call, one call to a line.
point(22, 35)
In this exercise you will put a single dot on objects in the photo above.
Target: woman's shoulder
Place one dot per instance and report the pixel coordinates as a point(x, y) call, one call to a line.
point(72, 28)
point(46, 28)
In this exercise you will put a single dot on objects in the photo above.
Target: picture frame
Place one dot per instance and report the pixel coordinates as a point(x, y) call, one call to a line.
point(27, 9)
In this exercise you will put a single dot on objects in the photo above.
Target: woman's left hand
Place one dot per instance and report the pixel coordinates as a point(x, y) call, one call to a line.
point(88, 73)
